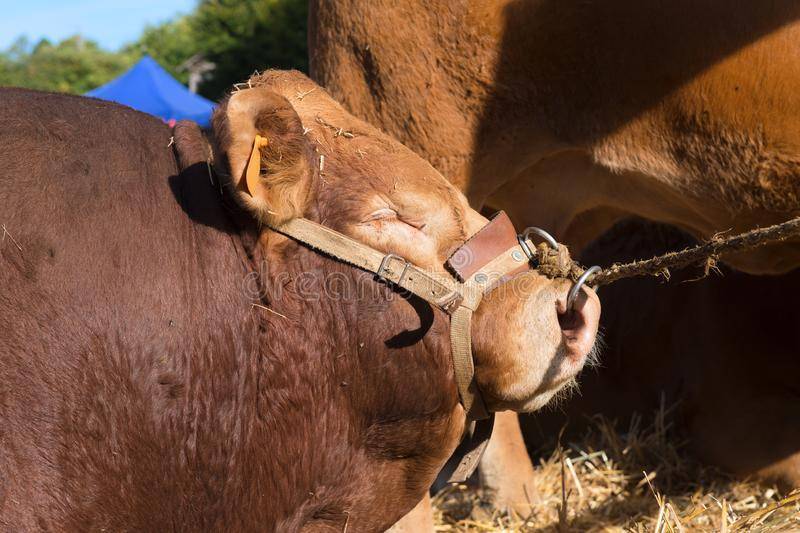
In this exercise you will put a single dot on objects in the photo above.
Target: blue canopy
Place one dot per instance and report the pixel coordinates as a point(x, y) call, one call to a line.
point(149, 88)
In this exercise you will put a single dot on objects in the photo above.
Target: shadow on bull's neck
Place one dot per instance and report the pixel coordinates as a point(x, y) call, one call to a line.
point(582, 69)
point(426, 316)
point(203, 200)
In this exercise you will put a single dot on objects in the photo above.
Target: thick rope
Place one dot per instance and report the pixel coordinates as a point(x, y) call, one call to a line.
point(707, 253)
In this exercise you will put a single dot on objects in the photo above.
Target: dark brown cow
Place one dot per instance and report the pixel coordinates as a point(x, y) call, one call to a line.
point(168, 363)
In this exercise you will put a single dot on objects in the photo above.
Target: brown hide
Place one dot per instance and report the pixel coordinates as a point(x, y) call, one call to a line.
point(723, 348)
point(141, 390)
point(570, 114)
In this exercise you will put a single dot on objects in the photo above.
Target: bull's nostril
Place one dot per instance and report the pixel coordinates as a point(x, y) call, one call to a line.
point(579, 325)
point(571, 320)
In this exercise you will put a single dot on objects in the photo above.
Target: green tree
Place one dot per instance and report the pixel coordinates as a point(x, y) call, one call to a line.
point(74, 65)
point(238, 36)
point(241, 36)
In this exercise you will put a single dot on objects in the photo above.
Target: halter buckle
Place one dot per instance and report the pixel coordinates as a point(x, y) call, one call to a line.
point(385, 268)
point(450, 302)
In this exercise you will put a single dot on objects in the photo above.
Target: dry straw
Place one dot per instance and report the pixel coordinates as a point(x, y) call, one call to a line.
point(635, 480)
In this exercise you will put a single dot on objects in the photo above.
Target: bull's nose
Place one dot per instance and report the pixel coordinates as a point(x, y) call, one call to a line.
point(579, 325)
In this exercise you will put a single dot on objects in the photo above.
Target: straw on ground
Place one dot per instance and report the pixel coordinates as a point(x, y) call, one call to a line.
point(633, 480)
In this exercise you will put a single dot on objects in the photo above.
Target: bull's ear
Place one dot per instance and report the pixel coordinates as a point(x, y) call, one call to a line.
point(260, 144)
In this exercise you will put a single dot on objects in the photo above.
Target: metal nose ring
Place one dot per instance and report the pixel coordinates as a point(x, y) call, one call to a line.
point(541, 233)
point(572, 295)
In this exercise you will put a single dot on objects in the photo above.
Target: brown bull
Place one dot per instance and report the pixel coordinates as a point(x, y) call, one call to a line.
point(570, 114)
point(167, 362)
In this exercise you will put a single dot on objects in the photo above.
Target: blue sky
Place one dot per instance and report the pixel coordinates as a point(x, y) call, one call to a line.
point(112, 23)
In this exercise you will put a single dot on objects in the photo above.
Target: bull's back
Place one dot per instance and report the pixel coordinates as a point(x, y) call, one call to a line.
point(90, 195)
point(115, 272)
point(81, 177)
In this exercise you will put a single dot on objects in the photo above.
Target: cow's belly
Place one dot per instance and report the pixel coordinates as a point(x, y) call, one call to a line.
point(731, 133)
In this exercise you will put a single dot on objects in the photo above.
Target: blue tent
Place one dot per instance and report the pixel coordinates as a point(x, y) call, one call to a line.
point(149, 88)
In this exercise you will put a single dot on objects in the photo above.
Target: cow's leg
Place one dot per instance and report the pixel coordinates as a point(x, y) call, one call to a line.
point(506, 470)
point(762, 418)
point(418, 520)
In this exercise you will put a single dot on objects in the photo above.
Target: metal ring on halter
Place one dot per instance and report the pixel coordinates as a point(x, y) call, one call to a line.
point(573, 292)
point(541, 233)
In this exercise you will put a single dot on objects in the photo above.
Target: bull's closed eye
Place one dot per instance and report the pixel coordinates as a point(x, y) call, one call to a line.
point(387, 214)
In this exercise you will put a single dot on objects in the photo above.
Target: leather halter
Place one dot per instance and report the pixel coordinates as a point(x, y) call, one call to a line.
point(486, 260)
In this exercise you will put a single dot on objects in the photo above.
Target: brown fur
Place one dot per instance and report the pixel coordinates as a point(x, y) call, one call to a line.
point(141, 389)
point(166, 363)
point(574, 113)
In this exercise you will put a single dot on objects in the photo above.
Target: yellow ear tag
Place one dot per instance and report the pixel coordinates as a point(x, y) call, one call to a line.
point(252, 175)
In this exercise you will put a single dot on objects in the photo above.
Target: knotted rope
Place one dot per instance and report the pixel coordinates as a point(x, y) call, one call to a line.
point(558, 264)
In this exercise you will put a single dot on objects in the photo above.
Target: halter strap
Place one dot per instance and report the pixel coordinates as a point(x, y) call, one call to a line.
point(435, 289)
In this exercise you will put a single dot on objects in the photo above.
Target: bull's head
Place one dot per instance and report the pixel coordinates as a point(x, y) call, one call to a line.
point(322, 164)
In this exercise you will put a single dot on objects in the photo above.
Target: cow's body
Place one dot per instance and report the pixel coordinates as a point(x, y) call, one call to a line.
point(571, 114)
point(168, 362)
point(141, 390)
point(107, 314)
